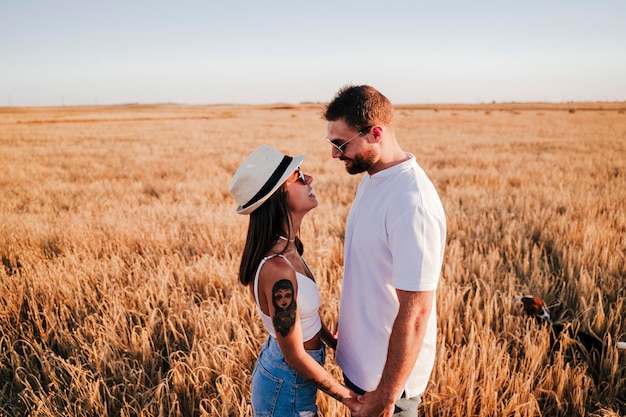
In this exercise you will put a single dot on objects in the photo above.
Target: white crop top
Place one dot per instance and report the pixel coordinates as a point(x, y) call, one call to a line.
point(308, 304)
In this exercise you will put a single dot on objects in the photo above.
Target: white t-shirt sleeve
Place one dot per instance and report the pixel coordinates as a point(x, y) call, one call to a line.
point(416, 240)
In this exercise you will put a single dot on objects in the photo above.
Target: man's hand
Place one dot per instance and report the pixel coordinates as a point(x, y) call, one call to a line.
point(373, 406)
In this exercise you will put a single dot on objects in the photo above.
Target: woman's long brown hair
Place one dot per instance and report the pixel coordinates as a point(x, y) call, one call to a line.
point(267, 223)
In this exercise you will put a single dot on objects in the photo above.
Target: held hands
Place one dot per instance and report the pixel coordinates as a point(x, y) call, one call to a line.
point(352, 403)
point(368, 405)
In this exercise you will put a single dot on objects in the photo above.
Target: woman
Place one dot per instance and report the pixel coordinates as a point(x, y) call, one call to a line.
point(270, 187)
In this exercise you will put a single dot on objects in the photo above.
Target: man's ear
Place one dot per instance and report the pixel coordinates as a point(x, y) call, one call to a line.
point(376, 132)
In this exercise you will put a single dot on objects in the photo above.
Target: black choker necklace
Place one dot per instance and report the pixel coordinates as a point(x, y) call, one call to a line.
point(284, 238)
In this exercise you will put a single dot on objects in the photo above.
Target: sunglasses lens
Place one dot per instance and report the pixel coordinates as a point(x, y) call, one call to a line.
point(337, 146)
point(301, 177)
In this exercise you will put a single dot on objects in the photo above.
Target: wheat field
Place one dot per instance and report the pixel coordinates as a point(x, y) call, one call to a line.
point(120, 249)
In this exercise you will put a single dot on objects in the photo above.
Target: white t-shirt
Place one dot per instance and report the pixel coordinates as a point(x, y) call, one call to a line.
point(395, 239)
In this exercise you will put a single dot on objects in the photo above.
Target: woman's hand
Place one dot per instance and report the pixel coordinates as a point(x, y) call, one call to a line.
point(352, 403)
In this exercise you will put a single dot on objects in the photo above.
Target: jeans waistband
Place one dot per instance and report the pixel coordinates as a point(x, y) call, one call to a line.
point(272, 351)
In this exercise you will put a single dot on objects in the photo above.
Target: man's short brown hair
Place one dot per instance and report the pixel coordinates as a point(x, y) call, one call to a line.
point(361, 106)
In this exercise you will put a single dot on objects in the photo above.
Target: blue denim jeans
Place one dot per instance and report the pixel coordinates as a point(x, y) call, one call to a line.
point(278, 390)
point(405, 407)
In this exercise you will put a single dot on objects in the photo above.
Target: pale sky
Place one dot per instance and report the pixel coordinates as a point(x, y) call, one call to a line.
point(71, 52)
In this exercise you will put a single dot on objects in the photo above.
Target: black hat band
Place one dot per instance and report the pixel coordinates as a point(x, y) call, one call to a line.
point(271, 182)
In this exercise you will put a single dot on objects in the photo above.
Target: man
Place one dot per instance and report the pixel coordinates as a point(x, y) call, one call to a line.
point(393, 252)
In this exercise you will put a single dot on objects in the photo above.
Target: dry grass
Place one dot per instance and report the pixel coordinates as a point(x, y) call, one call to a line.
point(120, 246)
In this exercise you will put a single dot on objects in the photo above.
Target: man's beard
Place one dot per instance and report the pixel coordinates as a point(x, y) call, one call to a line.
point(360, 163)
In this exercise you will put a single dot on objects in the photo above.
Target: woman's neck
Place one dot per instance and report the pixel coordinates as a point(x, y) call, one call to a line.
point(293, 226)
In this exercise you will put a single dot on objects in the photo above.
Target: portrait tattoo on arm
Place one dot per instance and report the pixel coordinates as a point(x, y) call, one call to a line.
point(284, 306)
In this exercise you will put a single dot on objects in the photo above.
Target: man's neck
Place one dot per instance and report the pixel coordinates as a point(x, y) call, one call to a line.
point(398, 157)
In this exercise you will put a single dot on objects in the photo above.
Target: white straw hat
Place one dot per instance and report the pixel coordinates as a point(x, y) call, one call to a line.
point(260, 175)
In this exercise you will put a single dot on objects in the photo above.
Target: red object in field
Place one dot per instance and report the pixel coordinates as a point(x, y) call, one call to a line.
point(534, 306)
point(537, 308)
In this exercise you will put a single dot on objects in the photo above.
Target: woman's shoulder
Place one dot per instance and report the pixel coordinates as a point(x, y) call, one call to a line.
point(277, 268)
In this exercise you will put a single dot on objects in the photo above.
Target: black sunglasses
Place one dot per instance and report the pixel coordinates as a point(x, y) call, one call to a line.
point(339, 144)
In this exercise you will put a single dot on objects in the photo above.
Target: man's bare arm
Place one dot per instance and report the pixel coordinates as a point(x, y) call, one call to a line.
point(405, 343)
